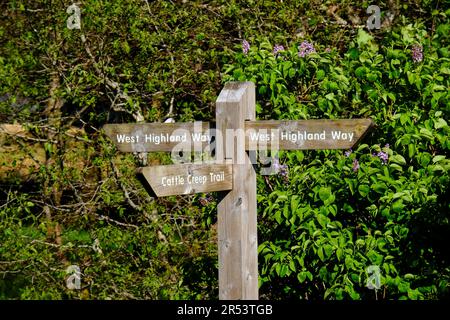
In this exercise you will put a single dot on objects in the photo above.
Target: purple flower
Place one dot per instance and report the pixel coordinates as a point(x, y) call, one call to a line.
point(305, 49)
point(277, 49)
point(383, 156)
point(283, 170)
point(327, 50)
point(355, 165)
point(386, 145)
point(245, 46)
point(348, 153)
point(417, 54)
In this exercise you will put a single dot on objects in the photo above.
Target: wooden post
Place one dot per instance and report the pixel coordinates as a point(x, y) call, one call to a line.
point(237, 226)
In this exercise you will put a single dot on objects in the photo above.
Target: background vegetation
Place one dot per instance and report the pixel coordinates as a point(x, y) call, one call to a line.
point(67, 197)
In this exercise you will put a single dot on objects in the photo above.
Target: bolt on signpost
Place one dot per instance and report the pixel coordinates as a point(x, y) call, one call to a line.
point(230, 171)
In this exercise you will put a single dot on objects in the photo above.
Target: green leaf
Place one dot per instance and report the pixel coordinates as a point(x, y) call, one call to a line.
point(320, 74)
point(404, 118)
point(398, 195)
point(278, 217)
point(374, 257)
point(379, 187)
point(292, 72)
point(426, 133)
point(360, 72)
point(437, 168)
point(348, 262)
point(262, 89)
point(339, 254)
point(292, 265)
point(403, 286)
point(294, 202)
point(372, 77)
point(330, 96)
point(320, 254)
point(409, 276)
point(323, 273)
point(301, 276)
point(425, 159)
point(333, 209)
point(328, 250)
point(351, 185)
point(348, 208)
point(411, 150)
point(362, 147)
point(322, 220)
point(398, 206)
point(445, 70)
point(126, 47)
point(353, 53)
point(413, 294)
point(277, 268)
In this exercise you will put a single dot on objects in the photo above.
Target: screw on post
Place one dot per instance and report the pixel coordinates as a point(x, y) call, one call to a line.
point(74, 20)
point(73, 282)
point(374, 279)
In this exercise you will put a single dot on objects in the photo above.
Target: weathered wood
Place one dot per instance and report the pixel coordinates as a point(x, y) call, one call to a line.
point(305, 134)
point(238, 256)
point(188, 178)
point(259, 135)
point(147, 137)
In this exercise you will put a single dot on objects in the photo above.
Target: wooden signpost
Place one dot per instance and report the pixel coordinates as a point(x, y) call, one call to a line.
point(231, 170)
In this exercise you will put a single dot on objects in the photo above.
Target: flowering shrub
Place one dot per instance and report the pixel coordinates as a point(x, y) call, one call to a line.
point(344, 211)
point(277, 48)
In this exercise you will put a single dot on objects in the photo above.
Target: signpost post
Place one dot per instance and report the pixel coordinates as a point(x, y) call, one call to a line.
point(231, 170)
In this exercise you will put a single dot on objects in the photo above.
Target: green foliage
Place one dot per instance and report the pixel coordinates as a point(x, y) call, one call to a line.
point(318, 232)
point(322, 230)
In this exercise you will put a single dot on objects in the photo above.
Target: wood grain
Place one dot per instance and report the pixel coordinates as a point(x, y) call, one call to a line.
point(153, 136)
point(325, 134)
